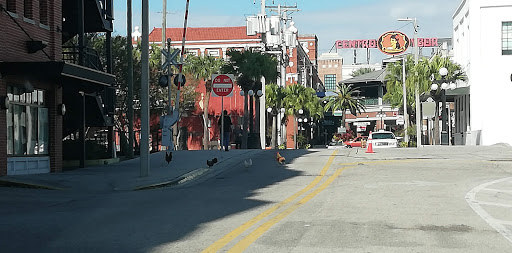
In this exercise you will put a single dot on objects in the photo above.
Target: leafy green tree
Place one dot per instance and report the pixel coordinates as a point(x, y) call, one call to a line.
point(158, 95)
point(202, 68)
point(346, 99)
point(299, 97)
point(422, 74)
point(362, 71)
point(249, 67)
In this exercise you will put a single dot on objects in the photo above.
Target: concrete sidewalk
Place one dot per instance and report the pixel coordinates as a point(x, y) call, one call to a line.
point(186, 166)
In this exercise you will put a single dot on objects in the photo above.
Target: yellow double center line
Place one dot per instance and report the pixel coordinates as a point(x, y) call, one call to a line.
point(244, 243)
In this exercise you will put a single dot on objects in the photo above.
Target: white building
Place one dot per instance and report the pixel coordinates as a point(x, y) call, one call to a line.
point(482, 44)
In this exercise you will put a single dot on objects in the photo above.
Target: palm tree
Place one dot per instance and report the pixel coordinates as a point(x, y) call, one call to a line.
point(274, 96)
point(362, 71)
point(249, 67)
point(203, 67)
point(420, 74)
point(299, 97)
point(346, 99)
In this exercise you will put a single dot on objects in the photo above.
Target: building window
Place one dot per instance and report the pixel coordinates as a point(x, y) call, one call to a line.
point(330, 82)
point(27, 122)
point(43, 12)
point(192, 52)
point(27, 9)
point(214, 52)
point(11, 6)
point(506, 38)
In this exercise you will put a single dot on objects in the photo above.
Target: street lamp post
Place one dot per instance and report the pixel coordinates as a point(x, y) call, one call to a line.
point(295, 130)
point(381, 115)
point(416, 88)
point(444, 86)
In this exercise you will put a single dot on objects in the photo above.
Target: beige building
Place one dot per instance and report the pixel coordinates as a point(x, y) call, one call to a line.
point(329, 70)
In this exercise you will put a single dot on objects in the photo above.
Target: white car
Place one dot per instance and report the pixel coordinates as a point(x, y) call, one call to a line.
point(383, 139)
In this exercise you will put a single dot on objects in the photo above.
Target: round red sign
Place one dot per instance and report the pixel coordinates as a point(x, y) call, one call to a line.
point(393, 43)
point(222, 85)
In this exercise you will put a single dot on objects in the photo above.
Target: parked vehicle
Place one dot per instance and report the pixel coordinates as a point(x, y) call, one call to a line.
point(335, 145)
point(383, 139)
point(359, 142)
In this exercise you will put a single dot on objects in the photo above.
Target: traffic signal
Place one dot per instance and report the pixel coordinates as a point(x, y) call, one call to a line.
point(177, 80)
point(163, 81)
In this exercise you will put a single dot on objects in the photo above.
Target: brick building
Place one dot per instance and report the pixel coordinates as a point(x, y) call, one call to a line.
point(329, 70)
point(39, 84)
point(216, 41)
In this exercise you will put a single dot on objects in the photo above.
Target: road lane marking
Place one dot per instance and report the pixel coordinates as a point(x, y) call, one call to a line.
point(258, 232)
point(219, 244)
point(493, 204)
point(496, 190)
point(475, 204)
point(377, 162)
point(504, 222)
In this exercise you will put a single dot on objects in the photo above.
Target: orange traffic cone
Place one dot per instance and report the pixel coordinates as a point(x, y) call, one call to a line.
point(369, 148)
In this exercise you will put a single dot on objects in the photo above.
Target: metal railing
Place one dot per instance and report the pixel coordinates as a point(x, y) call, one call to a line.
point(71, 54)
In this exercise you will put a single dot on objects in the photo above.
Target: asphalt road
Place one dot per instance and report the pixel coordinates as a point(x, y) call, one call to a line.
point(435, 199)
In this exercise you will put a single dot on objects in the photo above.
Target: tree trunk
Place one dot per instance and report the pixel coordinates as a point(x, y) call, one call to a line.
point(274, 131)
point(342, 118)
point(244, 130)
point(436, 124)
point(206, 132)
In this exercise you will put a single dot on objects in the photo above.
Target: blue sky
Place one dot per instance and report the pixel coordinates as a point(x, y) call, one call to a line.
point(330, 20)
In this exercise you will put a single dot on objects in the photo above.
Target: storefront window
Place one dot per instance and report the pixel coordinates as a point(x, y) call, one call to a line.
point(27, 123)
point(10, 130)
point(32, 130)
point(43, 129)
point(20, 140)
point(506, 38)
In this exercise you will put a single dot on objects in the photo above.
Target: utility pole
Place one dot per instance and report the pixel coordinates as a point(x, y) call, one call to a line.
point(416, 87)
point(282, 13)
point(144, 92)
point(130, 77)
point(404, 93)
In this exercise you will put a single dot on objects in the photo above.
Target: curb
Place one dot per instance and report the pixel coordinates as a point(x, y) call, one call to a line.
point(176, 181)
point(14, 183)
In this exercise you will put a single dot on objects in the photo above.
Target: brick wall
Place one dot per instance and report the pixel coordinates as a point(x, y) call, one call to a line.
point(54, 99)
point(14, 26)
point(3, 132)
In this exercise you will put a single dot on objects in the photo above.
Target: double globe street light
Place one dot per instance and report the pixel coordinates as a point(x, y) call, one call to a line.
point(444, 86)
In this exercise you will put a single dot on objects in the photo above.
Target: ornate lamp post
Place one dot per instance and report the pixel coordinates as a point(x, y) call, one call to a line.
point(444, 86)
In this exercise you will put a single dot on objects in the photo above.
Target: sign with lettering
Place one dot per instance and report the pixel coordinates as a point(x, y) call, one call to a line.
point(422, 42)
point(393, 43)
point(222, 85)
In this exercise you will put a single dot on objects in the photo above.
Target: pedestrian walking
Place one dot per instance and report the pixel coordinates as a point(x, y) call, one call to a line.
point(227, 130)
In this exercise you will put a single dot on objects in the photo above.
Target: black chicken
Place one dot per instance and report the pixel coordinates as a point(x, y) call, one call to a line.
point(168, 157)
point(212, 162)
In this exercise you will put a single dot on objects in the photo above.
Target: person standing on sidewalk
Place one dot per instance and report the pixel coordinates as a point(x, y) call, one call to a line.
point(227, 130)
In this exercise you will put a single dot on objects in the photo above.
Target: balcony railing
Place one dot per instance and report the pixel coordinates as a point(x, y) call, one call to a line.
point(374, 101)
point(70, 54)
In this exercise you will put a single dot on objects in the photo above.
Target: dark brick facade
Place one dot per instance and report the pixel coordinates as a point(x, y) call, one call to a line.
point(3, 132)
point(16, 30)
